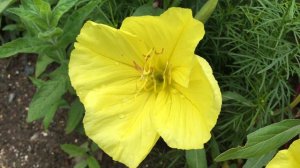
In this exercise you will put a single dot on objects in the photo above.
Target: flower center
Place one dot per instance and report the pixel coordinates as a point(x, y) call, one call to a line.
point(154, 76)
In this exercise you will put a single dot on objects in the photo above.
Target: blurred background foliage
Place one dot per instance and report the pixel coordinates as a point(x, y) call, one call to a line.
point(252, 45)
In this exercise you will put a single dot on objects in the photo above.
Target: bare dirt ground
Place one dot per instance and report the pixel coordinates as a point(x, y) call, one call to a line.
point(22, 144)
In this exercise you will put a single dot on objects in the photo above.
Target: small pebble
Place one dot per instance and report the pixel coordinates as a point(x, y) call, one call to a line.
point(11, 97)
point(34, 136)
point(44, 133)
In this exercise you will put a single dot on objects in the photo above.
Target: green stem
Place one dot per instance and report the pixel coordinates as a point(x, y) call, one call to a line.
point(196, 158)
point(295, 102)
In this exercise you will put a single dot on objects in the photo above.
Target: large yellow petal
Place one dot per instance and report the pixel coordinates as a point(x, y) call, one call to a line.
point(102, 72)
point(183, 116)
point(103, 55)
point(119, 121)
point(288, 158)
point(175, 32)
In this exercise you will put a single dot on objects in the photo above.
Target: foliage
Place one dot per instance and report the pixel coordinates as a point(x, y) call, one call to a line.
point(253, 47)
point(255, 58)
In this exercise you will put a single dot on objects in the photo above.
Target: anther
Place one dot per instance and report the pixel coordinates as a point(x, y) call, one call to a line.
point(160, 52)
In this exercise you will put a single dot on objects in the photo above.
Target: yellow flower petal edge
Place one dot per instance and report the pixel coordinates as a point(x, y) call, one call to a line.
point(288, 158)
point(144, 81)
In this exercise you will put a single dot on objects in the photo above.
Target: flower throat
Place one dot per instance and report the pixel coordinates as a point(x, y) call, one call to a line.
point(153, 76)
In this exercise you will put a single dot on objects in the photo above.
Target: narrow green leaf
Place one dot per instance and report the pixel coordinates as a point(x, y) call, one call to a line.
point(81, 164)
point(31, 19)
point(46, 96)
point(92, 162)
point(51, 112)
point(196, 158)
point(236, 97)
point(147, 9)
point(41, 64)
point(259, 162)
point(214, 147)
point(175, 3)
point(75, 21)
point(49, 115)
point(28, 5)
point(264, 140)
point(44, 9)
point(62, 7)
point(94, 147)
point(50, 33)
point(75, 116)
point(73, 150)
point(166, 3)
point(22, 45)
point(4, 4)
point(291, 10)
point(10, 27)
point(37, 82)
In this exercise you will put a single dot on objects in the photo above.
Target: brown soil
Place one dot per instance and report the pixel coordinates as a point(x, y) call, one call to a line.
point(22, 144)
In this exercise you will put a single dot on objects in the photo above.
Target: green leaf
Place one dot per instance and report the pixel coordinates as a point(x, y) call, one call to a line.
point(50, 33)
point(37, 82)
point(75, 116)
point(81, 164)
point(259, 162)
point(92, 162)
point(175, 3)
point(94, 147)
point(44, 9)
point(264, 140)
point(10, 27)
point(291, 11)
point(75, 21)
point(30, 18)
point(28, 5)
point(147, 9)
point(46, 96)
point(22, 45)
point(214, 147)
point(62, 7)
point(41, 64)
point(51, 112)
point(4, 4)
point(196, 158)
point(73, 150)
point(236, 97)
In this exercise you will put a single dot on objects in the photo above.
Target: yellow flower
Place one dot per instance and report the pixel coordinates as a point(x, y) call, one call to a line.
point(289, 158)
point(144, 81)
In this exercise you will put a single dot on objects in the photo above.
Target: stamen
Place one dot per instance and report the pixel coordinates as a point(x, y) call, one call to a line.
point(152, 77)
point(170, 74)
point(158, 53)
point(137, 67)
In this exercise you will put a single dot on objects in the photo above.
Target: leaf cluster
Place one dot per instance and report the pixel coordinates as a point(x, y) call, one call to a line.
point(255, 52)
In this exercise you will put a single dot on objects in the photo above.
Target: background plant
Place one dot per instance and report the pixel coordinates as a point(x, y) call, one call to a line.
point(253, 47)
